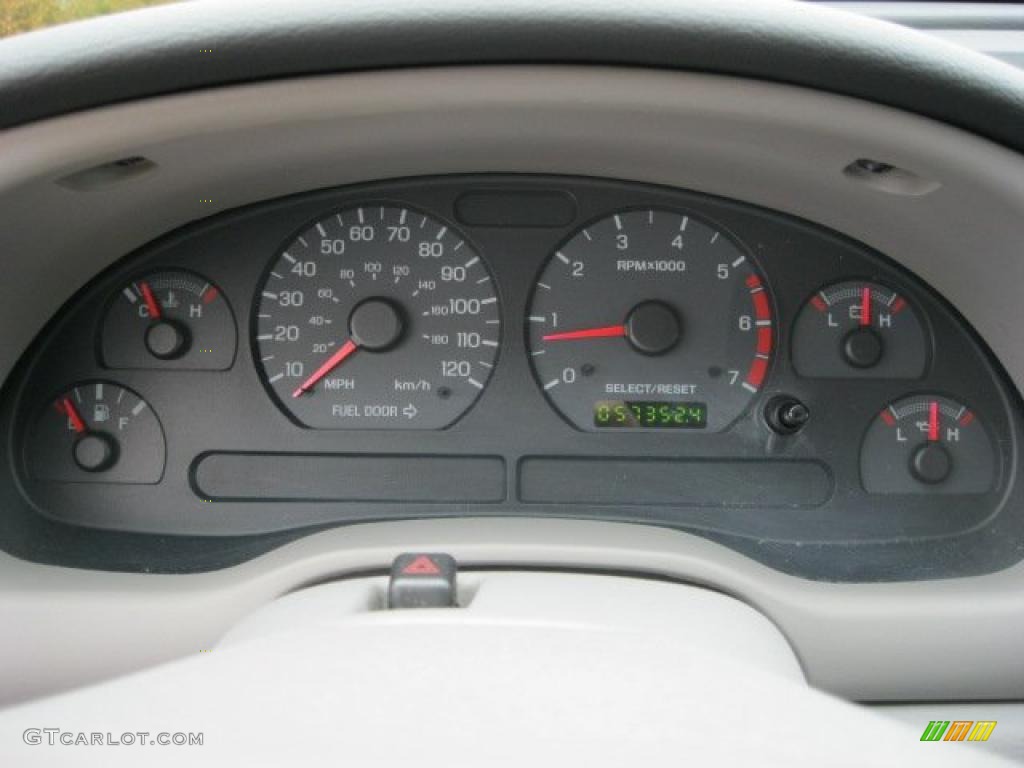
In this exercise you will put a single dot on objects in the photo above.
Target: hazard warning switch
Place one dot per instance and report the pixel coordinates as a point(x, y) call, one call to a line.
point(422, 580)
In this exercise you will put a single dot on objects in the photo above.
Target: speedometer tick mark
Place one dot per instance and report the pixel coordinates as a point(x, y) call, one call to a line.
point(618, 221)
point(321, 230)
point(562, 257)
point(303, 241)
point(550, 384)
point(440, 233)
point(458, 245)
point(489, 300)
point(739, 261)
point(475, 383)
point(714, 237)
point(471, 262)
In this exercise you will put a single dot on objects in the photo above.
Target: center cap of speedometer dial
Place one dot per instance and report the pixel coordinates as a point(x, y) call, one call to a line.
point(376, 324)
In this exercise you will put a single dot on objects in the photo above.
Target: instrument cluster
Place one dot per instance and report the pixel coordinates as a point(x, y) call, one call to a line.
point(547, 346)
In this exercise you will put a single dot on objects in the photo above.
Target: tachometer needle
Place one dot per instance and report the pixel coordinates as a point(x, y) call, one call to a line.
point(933, 421)
point(333, 362)
point(150, 299)
point(608, 331)
point(865, 306)
point(77, 423)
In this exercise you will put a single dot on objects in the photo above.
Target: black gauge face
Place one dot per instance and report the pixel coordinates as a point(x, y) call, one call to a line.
point(927, 444)
point(377, 317)
point(859, 330)
point(171, 319)
point(650, 319)
point(99, 432)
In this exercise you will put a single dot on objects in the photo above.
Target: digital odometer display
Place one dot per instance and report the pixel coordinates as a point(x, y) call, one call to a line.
point(377, 317)
point(645, 414)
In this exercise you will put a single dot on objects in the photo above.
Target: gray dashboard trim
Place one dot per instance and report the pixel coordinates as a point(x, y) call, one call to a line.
point(186, 46)
point(948, 640)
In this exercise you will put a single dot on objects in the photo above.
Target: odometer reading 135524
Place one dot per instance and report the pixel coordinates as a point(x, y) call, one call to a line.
point(650, 319)
point(377, 317)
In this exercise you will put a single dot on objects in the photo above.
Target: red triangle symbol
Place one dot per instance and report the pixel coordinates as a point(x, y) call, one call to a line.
point(421, 566)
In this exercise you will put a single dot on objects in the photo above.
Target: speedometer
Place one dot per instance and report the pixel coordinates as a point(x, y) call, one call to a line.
point(650, 319)
point(377, 317)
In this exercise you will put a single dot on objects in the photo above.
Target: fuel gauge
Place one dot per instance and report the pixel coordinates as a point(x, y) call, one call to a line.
point(927, 444)
point(170, 319)
point(97, 431)
point(859, 330)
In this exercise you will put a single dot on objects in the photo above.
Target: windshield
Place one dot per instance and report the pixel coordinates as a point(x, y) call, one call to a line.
point(18, 16)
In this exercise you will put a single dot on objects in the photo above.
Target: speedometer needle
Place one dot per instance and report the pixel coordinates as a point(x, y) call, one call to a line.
point(333, 362)
point(608, 331)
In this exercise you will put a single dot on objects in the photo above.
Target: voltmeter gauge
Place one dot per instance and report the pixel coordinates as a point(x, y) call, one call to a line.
point(927, 444)
point(97, 431)
point(169, 320)
point(859, 330)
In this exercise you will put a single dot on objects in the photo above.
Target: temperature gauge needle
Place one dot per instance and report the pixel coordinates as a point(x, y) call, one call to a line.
point(77, 423)
point(150, 299)
point(933, 421)
point(333, 362)
point(608, 331)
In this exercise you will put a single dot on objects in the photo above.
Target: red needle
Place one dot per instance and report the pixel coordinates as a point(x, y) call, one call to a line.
point(332, 362)
point(151, 303)
point(77, 423)
point(933, 421)
point(865, 306)
point(607, 331)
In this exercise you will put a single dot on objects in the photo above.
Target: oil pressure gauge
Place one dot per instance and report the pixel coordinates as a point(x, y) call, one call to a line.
point(859, 329)
point(927, 444)
point(169, 319)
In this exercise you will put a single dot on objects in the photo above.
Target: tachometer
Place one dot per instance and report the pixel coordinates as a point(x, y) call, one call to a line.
point(650, 319)
point(377, 317)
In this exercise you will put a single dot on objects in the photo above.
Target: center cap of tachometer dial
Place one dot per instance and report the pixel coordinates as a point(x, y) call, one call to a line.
point(653, 327)
point(376, 324)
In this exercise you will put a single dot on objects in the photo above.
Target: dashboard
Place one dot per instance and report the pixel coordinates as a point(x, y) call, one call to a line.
point(514, 345)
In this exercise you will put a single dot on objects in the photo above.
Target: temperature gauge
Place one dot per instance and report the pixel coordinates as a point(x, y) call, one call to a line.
point(927, 444)
point(172, 319)
point(859, 330)
point(97, 432)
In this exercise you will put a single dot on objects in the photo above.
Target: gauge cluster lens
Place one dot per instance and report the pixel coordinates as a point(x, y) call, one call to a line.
point(859, 330)
point(169, 320)
point(650, 319)
point(377, 317)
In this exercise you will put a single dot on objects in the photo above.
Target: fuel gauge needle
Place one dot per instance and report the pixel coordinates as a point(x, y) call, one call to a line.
point(608, 331)
point(77, 423)
point(333, 362)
